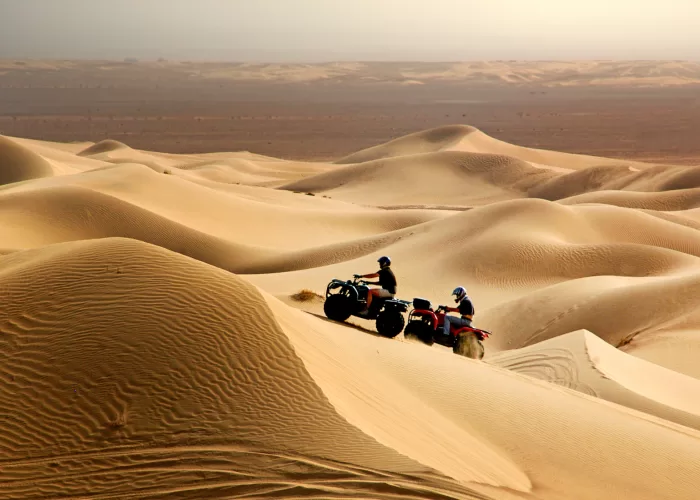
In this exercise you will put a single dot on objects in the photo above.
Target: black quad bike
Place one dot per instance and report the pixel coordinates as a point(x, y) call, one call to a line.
point(349, 298)
point(425, 325)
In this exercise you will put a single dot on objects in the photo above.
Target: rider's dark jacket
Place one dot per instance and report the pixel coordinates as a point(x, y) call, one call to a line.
point(387, 280)
point(466, 308)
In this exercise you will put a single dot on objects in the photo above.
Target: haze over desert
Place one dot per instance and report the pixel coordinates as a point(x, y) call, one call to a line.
point(387, 249)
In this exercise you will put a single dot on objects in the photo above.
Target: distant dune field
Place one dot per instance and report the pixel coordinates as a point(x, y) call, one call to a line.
point(630, 110)
point(547, 73)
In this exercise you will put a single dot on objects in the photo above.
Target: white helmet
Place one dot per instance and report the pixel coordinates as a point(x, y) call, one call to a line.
point(460, 292)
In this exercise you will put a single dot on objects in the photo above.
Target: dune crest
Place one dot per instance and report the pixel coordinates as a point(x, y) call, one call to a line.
point(104, 146)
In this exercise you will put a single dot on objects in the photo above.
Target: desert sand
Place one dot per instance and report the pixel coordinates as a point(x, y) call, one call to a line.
point(153, 343)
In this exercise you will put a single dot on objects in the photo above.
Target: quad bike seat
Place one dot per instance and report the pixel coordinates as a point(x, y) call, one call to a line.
point(422, 304)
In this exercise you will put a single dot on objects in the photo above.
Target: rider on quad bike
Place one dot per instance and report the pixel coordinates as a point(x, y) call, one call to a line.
point(345, 298)
point(387, 282)
point(465, 309)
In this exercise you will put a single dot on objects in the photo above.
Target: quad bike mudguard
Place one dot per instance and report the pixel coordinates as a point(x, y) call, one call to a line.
point(347, 288)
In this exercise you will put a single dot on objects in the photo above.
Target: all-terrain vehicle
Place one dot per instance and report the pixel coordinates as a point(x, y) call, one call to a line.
point(425, 324)
point(349, 298)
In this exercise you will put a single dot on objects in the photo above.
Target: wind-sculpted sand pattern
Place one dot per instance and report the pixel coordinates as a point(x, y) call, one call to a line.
point(149, 347)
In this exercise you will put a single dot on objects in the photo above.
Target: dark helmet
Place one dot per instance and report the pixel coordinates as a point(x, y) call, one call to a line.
point(460, 292)
point(384, 261)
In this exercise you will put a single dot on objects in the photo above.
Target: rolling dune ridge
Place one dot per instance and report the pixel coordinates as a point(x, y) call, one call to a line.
point(151, 345)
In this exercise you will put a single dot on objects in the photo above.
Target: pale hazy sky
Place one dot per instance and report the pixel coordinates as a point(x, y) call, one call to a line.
point(317, 30)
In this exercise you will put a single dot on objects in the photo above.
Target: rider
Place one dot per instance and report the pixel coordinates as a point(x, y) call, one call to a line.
point(465, 309)
point(387, 281)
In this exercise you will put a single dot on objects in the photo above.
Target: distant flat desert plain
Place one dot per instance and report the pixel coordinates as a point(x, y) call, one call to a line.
point(640, 110)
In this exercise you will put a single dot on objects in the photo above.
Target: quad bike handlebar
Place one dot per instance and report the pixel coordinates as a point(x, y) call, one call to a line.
point(358, 280)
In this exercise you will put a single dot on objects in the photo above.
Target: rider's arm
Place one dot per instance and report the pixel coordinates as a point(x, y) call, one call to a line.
point(373, 275)
point(451, 309)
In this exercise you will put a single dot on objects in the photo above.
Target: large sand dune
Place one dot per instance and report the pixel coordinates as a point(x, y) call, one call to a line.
point(150, 347)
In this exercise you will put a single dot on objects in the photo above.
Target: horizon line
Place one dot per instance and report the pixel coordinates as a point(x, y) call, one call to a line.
point(133, 59)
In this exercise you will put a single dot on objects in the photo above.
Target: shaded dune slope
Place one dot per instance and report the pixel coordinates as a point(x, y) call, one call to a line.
point(18, 163)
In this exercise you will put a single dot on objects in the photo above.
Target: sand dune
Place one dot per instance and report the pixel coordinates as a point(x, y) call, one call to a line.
point(464, 166)
point(448, 177)
point(506, 252)
point(585, 363)
point(242, 397)
point(680, 199)
point(471, 140)
point(506, 411)
point(149, 347)
point(106, 146)
point(137, 359)
point(19, 164)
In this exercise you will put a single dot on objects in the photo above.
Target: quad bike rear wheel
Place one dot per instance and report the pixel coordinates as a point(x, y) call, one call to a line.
point(390, 323)
point(419, 330)
point(338, 307)
point(468, 345)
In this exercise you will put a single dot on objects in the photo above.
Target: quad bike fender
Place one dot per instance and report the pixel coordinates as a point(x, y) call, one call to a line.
point(345, 287)
point(432, 317)
point(480, 334)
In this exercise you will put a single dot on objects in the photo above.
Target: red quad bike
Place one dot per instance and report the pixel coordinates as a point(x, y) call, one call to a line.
point(425, 325)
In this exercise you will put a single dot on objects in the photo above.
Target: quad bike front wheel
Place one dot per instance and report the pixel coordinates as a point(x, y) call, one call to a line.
point(338, 307)
point(390, 323)
point(468, 345)
point(419, 330)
